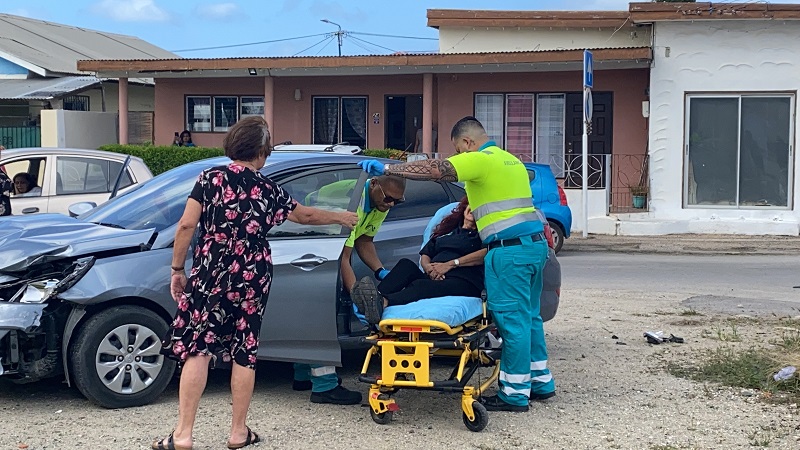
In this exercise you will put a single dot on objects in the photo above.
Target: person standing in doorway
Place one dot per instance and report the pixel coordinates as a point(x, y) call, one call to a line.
point(499, 194)
point(419, 147)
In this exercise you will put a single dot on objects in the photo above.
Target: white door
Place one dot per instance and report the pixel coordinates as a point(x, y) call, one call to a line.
point(31, 189)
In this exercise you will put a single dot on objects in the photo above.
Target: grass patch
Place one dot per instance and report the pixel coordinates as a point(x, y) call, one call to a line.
point(750, 368)
point(687, 323)
point(722, 333)
point(689, 312)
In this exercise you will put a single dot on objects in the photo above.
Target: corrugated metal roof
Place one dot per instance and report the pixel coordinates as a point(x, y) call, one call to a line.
point(57, 48)
point(43, 89)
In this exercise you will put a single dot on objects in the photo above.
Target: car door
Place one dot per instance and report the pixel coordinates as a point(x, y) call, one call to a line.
point(37, 167)
point(84, 179)
point(300, 317)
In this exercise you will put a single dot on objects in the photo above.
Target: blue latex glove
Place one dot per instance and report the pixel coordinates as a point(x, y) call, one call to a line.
point(382, 274)
point(372, 167)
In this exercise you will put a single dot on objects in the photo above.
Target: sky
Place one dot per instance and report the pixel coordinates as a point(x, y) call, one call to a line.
point(179, 25)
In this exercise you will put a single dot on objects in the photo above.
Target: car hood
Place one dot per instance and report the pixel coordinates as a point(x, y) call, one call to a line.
point(39, 238)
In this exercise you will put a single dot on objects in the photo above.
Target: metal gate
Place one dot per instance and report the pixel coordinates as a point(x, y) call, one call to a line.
point(19, 137)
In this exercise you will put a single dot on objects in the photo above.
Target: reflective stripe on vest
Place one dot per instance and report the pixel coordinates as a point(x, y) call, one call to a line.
point(501, 225)
point(501, 205)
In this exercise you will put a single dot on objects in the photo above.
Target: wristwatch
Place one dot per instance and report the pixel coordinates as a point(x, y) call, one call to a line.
point(456, 262)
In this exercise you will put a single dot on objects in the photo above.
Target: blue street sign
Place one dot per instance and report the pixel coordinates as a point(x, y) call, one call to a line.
point(588, 73)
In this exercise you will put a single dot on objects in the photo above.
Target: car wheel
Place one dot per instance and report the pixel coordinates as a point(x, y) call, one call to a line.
point(116, 360)
point(558, 235)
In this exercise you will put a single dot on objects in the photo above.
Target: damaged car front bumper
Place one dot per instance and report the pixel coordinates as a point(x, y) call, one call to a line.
point(16, 318)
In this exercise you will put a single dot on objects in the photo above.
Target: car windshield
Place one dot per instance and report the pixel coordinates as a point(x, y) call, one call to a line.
point(158, 203)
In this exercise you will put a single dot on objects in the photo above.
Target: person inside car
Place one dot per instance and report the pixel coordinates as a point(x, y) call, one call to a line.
point(452, 264)
point(380, 194)
point(25, 185)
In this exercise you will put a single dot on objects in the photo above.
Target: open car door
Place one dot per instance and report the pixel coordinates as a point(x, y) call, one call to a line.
point(300, 318)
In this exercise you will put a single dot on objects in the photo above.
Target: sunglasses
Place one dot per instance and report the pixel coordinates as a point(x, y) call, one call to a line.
point(387, 199)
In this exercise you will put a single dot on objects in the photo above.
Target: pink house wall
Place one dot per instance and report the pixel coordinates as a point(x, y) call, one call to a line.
point(292, 118)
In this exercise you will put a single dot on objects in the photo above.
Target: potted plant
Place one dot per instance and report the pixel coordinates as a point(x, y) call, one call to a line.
point(639, 195)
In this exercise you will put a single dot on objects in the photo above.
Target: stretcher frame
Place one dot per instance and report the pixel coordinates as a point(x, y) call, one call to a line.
point(405, 347)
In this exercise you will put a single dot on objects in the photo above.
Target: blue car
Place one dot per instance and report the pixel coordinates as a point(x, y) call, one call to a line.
point(550, 198)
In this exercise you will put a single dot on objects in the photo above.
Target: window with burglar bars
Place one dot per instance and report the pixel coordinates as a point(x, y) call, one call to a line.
point(76, 103)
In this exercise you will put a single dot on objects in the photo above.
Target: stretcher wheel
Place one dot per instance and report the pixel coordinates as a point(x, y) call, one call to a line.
point(382, 418)
point(481, 417)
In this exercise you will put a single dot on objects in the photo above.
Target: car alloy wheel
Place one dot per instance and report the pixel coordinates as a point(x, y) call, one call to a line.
point(128, 359)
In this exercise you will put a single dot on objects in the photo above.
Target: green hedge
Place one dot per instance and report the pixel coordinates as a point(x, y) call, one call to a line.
point(165, 157)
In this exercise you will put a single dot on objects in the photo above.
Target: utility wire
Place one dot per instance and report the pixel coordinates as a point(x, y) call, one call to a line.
point(373, 44)
point(363, 47)
point(332, 38)
point(249, 43)
point(309, 48)
point(394, 36)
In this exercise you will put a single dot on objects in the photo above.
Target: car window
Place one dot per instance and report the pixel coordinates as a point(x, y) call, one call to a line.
point(325, 189)
point(34, 167)
point(531, 175)
point(423, 199)
point(79, 175)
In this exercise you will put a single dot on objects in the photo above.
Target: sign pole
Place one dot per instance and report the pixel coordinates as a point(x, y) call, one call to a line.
point(588, 82)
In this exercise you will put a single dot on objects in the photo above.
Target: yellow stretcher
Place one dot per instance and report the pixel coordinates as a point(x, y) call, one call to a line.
point(405, 349)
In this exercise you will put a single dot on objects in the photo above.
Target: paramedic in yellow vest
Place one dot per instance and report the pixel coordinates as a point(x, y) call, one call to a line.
point(500, 198)
point(380, 194)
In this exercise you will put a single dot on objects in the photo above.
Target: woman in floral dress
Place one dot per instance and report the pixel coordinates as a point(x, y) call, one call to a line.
point(220, 305)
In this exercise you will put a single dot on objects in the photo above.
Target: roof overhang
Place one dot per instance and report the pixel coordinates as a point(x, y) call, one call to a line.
point(662, 11)
point(552, 19)
point(397, 64)
point(43, 88)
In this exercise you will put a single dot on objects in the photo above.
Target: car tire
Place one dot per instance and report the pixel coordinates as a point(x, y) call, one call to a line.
point(558, 235)
point(106, 367)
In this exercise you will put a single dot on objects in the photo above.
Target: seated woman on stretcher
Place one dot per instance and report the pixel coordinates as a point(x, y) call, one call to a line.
point(452, 261)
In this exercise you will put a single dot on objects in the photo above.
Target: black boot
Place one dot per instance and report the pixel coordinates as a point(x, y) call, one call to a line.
point(337, 396)
point(495, 403)
point(366, 297)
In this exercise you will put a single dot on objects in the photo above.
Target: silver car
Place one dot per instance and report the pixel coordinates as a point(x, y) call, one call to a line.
point(88, 299)
point(68, 175)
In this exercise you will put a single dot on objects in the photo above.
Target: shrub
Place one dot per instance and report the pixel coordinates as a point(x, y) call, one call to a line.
point(163, 158)
point(389, 153)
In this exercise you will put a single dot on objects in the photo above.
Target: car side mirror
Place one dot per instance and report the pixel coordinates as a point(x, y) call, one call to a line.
point(76, 209)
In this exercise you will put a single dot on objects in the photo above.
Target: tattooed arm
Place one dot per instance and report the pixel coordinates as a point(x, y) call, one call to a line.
point(426, 169)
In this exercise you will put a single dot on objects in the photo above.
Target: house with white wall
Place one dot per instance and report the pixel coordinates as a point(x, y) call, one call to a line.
point(38, 71)
point(723, 125)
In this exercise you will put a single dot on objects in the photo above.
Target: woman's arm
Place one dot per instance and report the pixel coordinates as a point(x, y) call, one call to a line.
point(425, 262)
point(472, 259)
point(306, 215)
point(183, 237)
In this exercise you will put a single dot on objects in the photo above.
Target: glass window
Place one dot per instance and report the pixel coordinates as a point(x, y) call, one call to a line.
point(76, 175)
point(32, 166)
point(519, 126)
point(326, 120)
point(198, 113)
point(225, 112)
point(738, 151)
point(423, 199)
point(550, 109)
point(489, 111)
point(252, 106)
point(325, 189)
point(340, 120)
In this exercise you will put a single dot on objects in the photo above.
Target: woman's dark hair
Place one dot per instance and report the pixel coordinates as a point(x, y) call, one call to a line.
point(248, 139)
point(452, 221)
point(186, 133)
point(29, 178)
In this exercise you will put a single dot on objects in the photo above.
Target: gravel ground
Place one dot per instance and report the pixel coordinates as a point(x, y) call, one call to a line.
point(609, 396)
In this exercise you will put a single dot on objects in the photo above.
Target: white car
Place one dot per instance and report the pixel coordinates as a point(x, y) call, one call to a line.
point(64, 176)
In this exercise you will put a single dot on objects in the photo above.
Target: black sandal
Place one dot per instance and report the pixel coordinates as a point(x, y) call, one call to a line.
point(252, 438)
point(168, 443)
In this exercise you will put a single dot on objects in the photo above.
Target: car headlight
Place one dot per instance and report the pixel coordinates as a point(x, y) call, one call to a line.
point(40, 290)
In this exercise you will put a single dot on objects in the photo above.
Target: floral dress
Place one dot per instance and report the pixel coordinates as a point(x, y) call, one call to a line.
point(6, 188)
point(221, 310)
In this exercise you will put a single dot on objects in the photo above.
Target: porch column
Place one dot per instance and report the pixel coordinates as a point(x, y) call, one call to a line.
point(123, 111)
point(269, 91)
point(427, 114)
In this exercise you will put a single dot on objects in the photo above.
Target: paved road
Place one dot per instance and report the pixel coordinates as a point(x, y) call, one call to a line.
point(741, 278)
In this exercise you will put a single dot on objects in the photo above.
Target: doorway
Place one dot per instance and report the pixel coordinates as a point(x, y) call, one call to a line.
point(403, 119)
point(599, 139)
